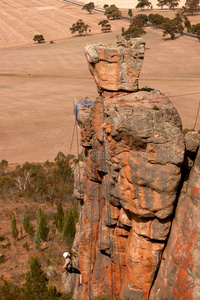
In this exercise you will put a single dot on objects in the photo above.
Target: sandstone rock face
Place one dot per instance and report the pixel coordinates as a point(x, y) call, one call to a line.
point(179, 273)
point(116, 67)
point(134, 148)
point(133, 152)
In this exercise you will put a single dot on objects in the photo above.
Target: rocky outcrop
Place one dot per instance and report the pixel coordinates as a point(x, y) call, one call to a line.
point(133, 151)
point(116, 67)
point(179, 272)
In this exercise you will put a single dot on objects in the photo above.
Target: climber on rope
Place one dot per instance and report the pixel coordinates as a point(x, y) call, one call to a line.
point(68, 266)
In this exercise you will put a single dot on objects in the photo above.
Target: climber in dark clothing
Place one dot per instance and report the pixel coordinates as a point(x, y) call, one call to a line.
point(68, 265)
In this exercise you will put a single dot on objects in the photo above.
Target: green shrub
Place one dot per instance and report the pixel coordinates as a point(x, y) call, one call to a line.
point(14, 230)
point(186, 130)
point(6, 181)
point(26, 246)
point(3, 166)
point(130, 13)
point(69, 229)
point(27, 225)
point(89, 7)
point(10, 291)
point(59, 217)
point(42, 227)
point(36, 281)
point(156, 19)
point(139, 20)
point(38, 38)
point(113, 12)
point(146, 89)
point(37, 240)
point(105, 25)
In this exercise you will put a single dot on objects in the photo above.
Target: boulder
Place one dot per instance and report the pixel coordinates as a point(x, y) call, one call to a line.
point(51, 273)
point(116, 67)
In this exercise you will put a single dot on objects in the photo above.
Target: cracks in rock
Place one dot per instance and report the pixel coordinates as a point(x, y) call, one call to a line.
point(105, 253)
point(185, 172)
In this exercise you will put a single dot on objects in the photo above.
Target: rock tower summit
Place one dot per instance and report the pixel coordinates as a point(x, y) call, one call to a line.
point(128, 181)
point(116, 67)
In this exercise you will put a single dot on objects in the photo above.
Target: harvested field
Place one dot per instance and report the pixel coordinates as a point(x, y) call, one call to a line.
point(38, 82)
point(20, 21)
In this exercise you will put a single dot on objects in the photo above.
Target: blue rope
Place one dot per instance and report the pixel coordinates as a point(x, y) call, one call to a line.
point(89, 103)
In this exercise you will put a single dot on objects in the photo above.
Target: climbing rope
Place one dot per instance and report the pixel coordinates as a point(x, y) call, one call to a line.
point(91, 238)
point(104, 185)
point(75, 129)
point(121, 102)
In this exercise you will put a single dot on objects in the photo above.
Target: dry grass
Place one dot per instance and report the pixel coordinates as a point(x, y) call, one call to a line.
point(17, 258)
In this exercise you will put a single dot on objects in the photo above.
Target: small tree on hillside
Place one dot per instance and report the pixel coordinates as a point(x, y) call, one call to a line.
point(105, 25)
point(105, 6)
point(196, 30)
point(169, 27)
point(38, 38)
point(143, 3)
point(59, 217)
point(113, 12)
point(89, 7)
point(133, 32)
point(3, 166)
point(79, 27)
point(14, 230)
point(27, 225)
point(156, 19)
point(139, 20)
point(130, 13)
point(192, 6)
point(161, 3)
point(37, 240)
point(10, 291)
point(43, 228)
point(36, 281)
point(198, 35)
point(170, 3)
point(69, 228)
point(136, 27)
point(179, 22)
point(188, 25)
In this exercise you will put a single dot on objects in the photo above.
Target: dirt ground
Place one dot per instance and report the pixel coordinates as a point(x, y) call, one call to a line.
point(38, 83)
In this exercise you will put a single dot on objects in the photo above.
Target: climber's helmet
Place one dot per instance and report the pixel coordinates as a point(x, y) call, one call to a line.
point(65, 254)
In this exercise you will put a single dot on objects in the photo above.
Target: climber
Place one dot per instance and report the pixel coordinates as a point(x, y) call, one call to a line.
point(68, 262)
point(69, 267)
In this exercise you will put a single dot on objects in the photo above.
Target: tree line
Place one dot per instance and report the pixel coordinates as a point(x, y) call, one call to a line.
point(170, 26)
point(136, 28)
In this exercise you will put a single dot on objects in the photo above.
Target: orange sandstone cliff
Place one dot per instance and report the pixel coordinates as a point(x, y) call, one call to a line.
point(128, 185)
